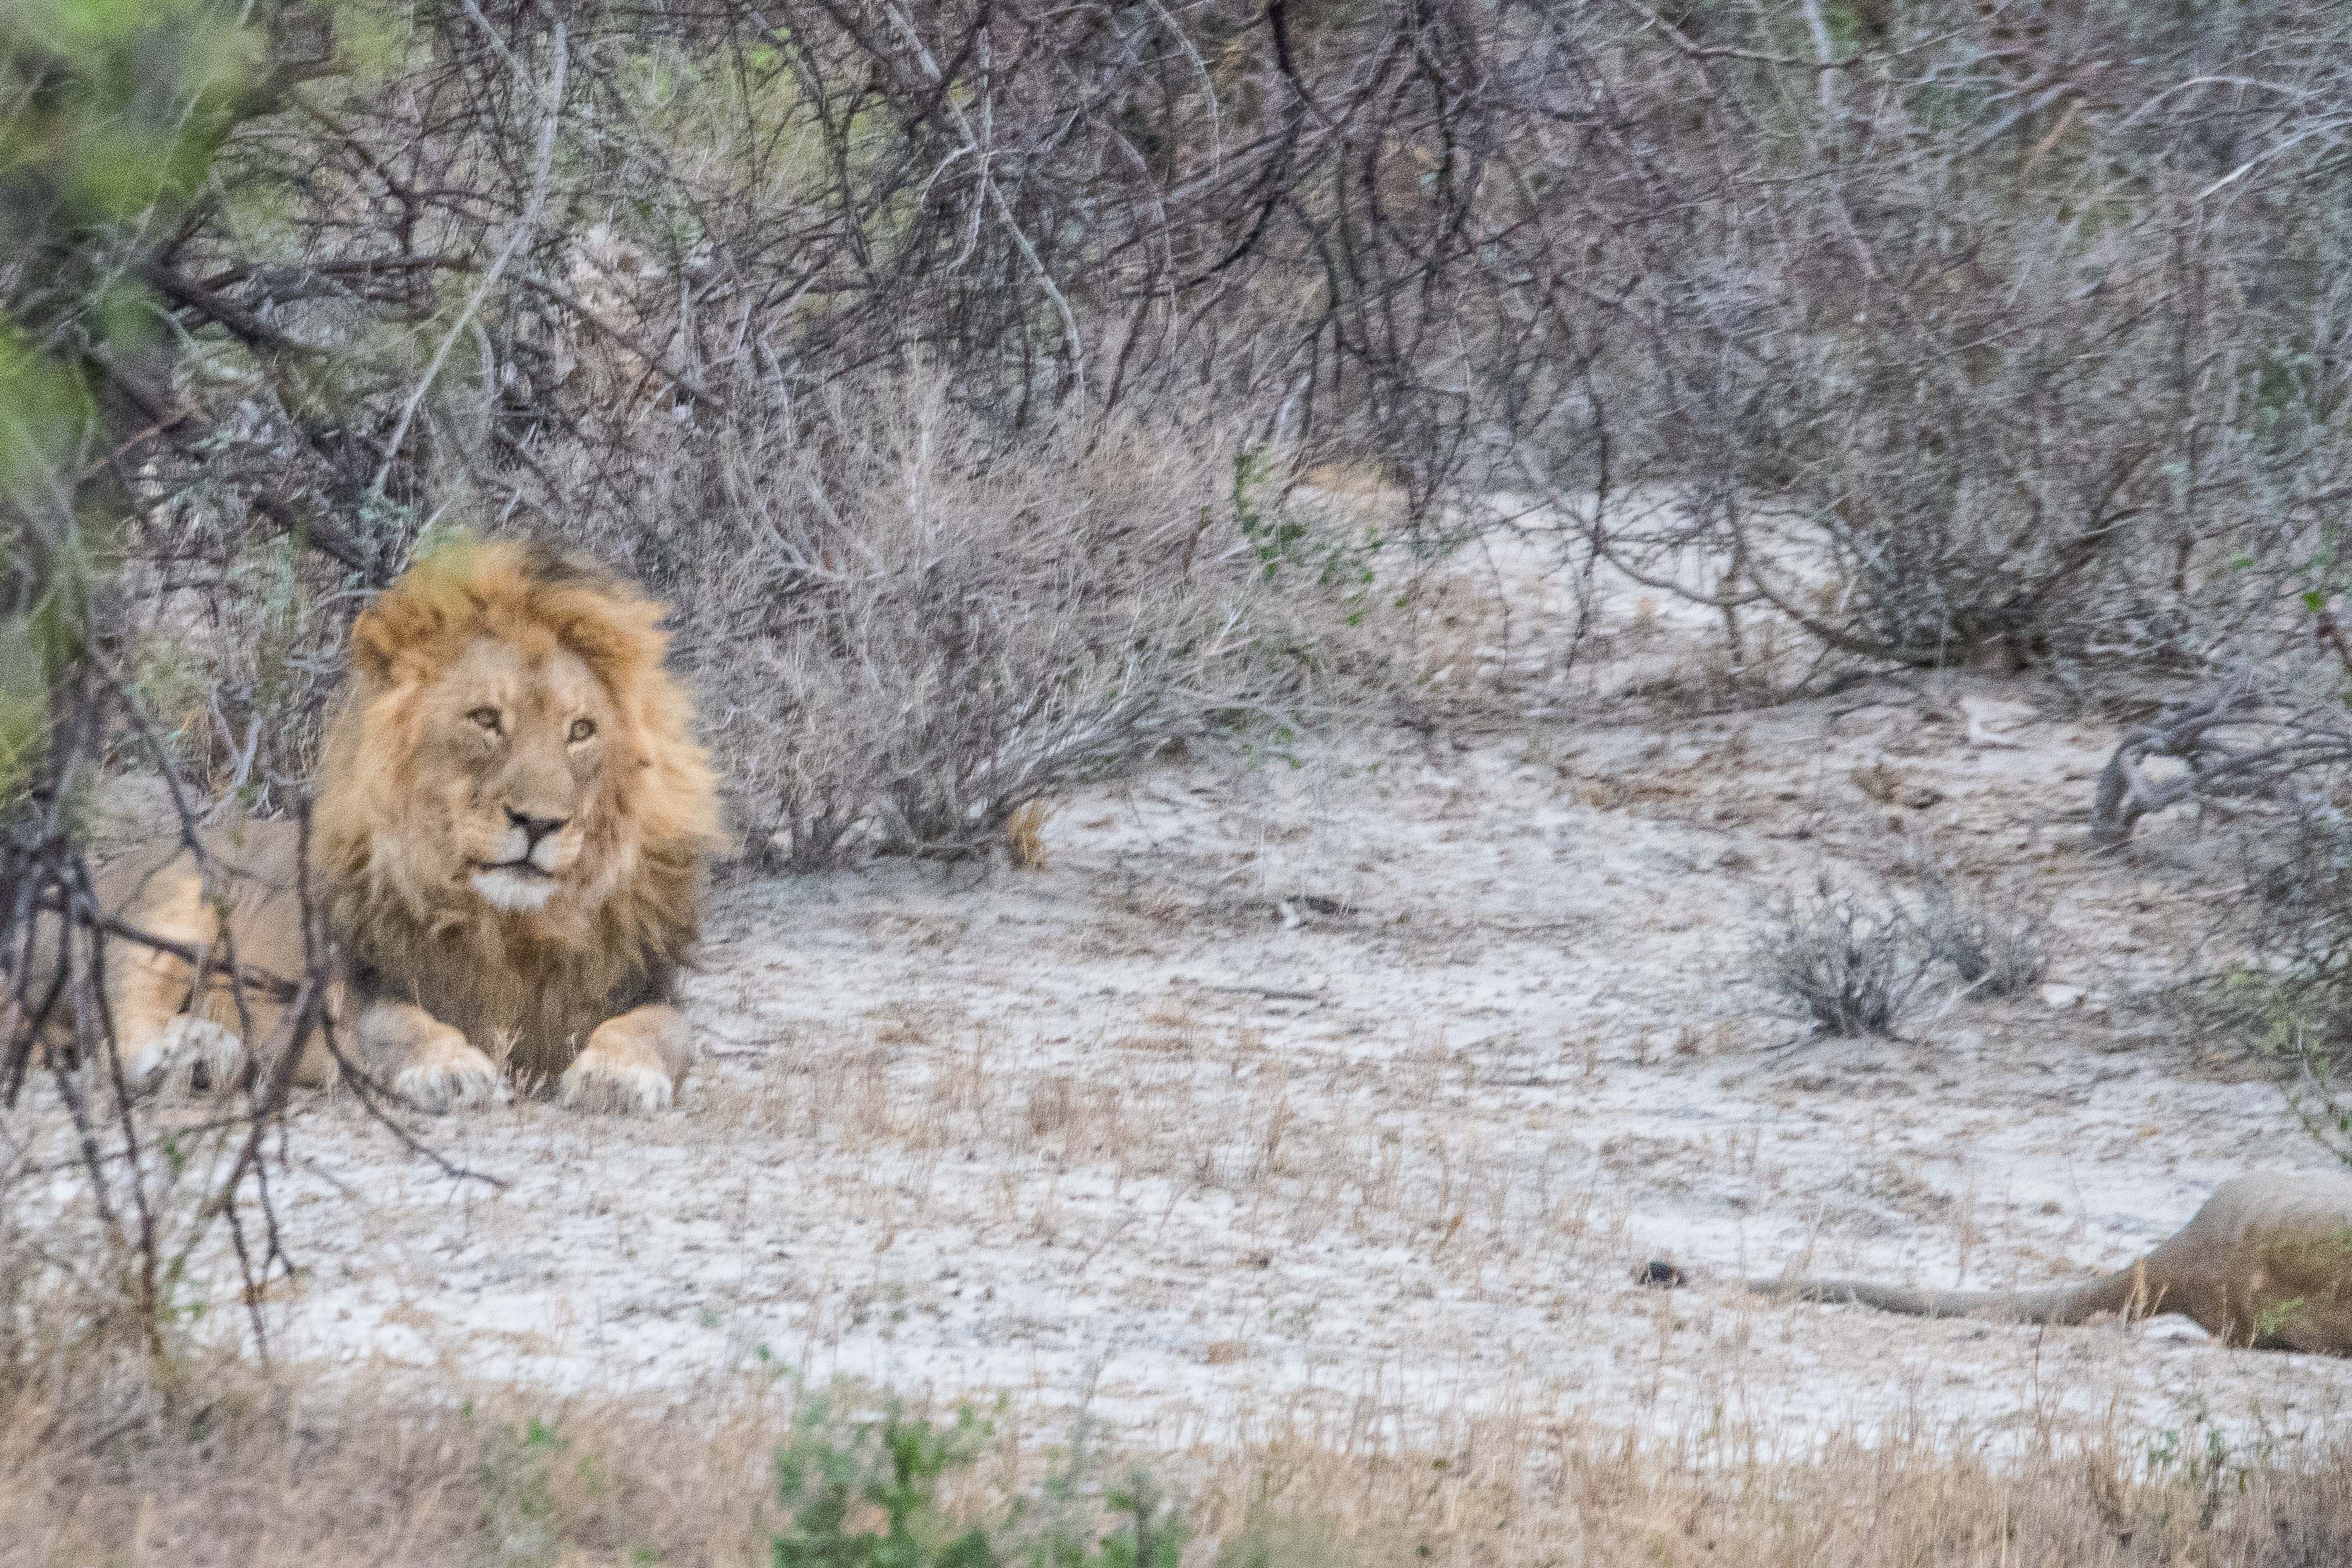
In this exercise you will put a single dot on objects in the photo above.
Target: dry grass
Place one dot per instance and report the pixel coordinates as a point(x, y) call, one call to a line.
point(1203, 1110)
point(1514, 1493)
point(1024, 836)
point(258, 1470)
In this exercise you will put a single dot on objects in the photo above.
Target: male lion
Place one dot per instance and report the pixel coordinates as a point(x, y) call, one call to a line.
point(2266, 1262)
point(511, 835)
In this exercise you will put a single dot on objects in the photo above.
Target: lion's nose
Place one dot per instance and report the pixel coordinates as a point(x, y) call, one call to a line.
point(534, 828)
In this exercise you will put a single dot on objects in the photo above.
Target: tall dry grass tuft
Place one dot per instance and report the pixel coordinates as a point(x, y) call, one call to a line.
point(1523, 1493)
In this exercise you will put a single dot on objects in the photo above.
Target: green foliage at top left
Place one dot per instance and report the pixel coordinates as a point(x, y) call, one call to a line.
point(111, 113)
point(115, 106)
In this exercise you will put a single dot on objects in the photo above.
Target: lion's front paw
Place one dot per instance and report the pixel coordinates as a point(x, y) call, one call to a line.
point(603, 1081)
point(449, 1073)
point(188, 1049)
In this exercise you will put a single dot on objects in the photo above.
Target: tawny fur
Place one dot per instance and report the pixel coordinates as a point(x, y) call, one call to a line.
point(512, 827)
point(2266, 1263)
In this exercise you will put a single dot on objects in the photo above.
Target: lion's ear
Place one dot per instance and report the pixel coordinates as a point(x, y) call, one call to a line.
point(400, 621)
point(372, 647)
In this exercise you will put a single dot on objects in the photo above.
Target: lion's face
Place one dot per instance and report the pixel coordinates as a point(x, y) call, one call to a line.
point(516, 750)
point(514, 762)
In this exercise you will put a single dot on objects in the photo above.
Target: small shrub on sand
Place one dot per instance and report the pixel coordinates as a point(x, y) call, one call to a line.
point(1852, 965)
point(1992, 940)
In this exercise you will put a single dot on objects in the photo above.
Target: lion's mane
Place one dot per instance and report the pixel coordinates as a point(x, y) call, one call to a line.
point(535, 984)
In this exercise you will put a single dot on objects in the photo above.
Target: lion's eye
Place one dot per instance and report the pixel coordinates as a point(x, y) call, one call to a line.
point(488, 717)
point(581, 728)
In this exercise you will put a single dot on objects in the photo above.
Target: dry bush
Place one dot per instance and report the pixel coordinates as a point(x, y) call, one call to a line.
point(115, 1207)
point(908, 631)
point(1948, 352)
point(234, 648)
point(2266, 753)
point(1851, 966)
point(1950, 331)
point(519, 240)
point(1993, 941)
point(1853, 963)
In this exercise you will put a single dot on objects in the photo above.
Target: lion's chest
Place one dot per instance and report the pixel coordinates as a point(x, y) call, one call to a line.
point(527, 1003)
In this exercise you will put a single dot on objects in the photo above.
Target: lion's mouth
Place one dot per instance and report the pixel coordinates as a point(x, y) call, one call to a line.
point(516, 887)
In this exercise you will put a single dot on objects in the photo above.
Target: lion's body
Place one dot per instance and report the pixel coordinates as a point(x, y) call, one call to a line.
point(2266, 1262)
point(507, 848)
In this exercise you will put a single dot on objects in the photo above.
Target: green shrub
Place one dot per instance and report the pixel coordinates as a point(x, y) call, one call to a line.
point(868, 1496)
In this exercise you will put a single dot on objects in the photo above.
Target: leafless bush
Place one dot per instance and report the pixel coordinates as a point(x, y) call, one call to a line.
point(908, 631)
point(1948, 329)
point(2288, 993)
point(1853, 963)
point(1849, 964)
point(559, 228)
point(1931, 343)
point(232, 649)
point(2269, 753)
point(111, 1205)
point(1993, 942)
point(2317, 1093)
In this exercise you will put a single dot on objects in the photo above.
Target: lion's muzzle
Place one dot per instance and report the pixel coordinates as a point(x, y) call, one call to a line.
point(532, 852)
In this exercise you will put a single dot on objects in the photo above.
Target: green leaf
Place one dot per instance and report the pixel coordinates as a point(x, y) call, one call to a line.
point(24, 706)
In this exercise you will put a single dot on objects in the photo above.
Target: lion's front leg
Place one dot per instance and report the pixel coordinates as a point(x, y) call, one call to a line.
point(147, 987)
point(425, 1061)
point(632, 1062)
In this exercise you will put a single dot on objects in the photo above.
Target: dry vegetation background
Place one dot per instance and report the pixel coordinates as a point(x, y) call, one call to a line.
point(1011, 396)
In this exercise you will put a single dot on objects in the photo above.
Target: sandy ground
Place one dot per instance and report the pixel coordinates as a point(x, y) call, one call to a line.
point(1342, 1092)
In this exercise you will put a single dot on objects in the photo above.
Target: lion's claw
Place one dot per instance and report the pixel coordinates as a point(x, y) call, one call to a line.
point(469, 1080)
point(182, 1048)
point(593, 1083)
